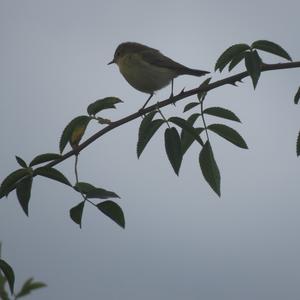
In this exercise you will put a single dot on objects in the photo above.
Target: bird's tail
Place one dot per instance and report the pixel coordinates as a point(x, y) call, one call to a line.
point(195, 72)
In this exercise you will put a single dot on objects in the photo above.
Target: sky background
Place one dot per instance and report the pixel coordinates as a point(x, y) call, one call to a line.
point(181, 241)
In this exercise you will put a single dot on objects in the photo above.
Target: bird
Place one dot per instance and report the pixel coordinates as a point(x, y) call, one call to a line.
point(147, 69)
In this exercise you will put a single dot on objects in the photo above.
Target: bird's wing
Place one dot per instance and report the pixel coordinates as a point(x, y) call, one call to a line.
point(160, 60)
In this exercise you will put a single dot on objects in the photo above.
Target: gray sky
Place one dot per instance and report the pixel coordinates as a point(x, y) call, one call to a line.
point(181, 241)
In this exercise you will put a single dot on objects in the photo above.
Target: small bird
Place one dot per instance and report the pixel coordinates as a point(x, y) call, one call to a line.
point(147, 69)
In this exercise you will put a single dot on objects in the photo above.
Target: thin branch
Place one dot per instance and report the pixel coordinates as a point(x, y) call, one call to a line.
point(184, 94)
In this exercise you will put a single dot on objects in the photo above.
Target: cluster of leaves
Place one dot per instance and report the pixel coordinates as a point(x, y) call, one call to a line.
point(177, 144)
point(249, 54)
point(7, 276)
point(22, 178)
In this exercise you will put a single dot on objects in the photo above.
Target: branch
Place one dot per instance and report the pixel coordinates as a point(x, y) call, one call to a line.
point(182, 95)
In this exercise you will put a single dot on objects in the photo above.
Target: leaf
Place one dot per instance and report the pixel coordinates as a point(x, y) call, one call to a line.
point(28, 286)
point(221, 113)
point(146, 131)
point(229, 54)
point(24, 192)
point(101, 104)
point(21, 162)
point(229, 134)
point(113, 211)
point(52, 174)
point(93, 192)
point(271, 48)
point(186, 138)
point(297, 96)
point(185, 125)
point(73, 132)
point(236, 60)
point(190, 106)
point(9, 274)
point(202, 95)
point(42, 158)
point(253, 66)
point(3, 293)
point(298, 145)
point(209, 168)
point(76, 213)
point(173, 148)
point(9, 183)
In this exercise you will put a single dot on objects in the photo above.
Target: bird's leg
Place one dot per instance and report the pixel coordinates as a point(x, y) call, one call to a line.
point(172, 95)
point(147, 101)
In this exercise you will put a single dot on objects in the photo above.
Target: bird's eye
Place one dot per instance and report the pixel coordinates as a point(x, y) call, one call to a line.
point(118, 53)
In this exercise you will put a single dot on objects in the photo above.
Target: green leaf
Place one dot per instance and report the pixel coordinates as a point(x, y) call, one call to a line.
point(253, 66)
point(28, 286)
point(9, 183)
point(297, 96)
point(229, 134)
point(298, 145)
point(24, 192)
point(76, 213)
point(146, 131)
point(236, 60)
point(229, 54)
point(93, 192)
point(21, 162)
point(186, 138)
point(185, 125)
point(202, 95)
point(73, 132)
point(190, 106)
point(221, 113)
point(209, 168)
point(42, 158)
point(52, 174)
point(3, 293)
point(271, 48)
point(101, 104)
point(9, 274)
point(173, 148)
point(113, 211)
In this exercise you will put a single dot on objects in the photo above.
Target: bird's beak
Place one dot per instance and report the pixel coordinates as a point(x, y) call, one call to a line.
point(112, 62)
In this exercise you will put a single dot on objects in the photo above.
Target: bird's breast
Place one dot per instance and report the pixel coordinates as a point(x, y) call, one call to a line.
point(143, 76)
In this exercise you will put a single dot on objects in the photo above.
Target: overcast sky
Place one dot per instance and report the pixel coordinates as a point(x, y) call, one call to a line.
point(181, 241)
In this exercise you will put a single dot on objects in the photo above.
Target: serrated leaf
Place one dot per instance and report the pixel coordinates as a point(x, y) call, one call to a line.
point(52, 174)
point(42, 158)
point(101, 194)
point(202, 95)
point(298, 145)
point(190, 106)
point(9, 183)
point(210, 168)
point(236, 60)
point(105, 103)
point(113, 211)
point(83, 187)
point(297, 96)
point(28, 286)
point(8, 273)
point(21, 162)
point(146, 131)
point(73, 132)
point(24, 192)
point(271, 47)
point(253, 66)
point(173, 148)
point(229, 134)
point(229, 54)
point(185, 125)
point(76, 213)
point(221, 113)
